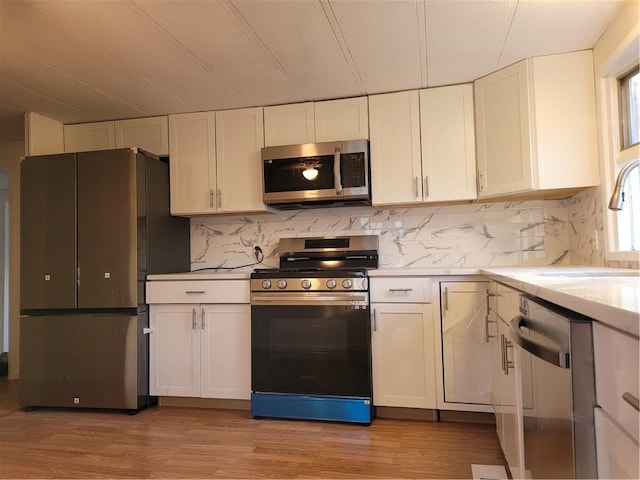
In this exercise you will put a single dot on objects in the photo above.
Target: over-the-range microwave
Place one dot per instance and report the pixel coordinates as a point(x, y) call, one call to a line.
point(317, 175)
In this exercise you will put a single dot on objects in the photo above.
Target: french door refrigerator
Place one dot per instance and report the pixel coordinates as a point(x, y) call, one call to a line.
point(92, 226)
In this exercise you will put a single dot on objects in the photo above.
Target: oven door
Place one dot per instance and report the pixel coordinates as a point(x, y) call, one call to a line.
point(311, 344)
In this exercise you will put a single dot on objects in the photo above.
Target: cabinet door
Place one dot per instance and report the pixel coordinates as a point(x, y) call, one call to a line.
point(503, 131)
point(174, 350)
point(193, 163)
point(346, 119)
point(150, 134)
point(394, 125)
point(239, 138)
point(465, 351)
point(513, 436)
point(403, 361)
point(226, 351)
point(85, 137)
point(448, 143)
point(618, 454)
point(289, 124)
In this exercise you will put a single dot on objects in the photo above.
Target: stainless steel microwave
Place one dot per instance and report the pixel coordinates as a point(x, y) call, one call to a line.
point(317, 175)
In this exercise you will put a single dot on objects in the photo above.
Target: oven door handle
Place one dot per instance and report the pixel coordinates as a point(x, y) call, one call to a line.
point(307, 299)
point(557, 357)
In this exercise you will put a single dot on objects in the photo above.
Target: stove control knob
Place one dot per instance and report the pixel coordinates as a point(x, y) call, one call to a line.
point(348, 283)
point(331, 284)
point(266, 284)
point(282, 284)
point(306, 284)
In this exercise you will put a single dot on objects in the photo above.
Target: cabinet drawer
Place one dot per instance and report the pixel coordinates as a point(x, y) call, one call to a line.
point(617, 453)
point(198, 291)
point(616, 362)
point(400, 290)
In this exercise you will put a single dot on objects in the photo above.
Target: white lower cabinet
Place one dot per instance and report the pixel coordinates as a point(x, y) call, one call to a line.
point(617, 390)
point(402, 343)
point(466, 358)
point(511, 384)
point(617, 452)
point(200, 350)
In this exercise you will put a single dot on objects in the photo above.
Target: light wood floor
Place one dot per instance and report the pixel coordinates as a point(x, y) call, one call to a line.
point(176, 442)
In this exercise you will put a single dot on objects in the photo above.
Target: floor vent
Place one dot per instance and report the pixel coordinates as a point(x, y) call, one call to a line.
point(488, 472)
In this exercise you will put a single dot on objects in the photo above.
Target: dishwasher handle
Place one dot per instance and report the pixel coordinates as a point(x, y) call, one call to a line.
point(557, 357)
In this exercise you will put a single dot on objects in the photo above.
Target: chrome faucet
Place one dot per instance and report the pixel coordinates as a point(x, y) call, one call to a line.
point(617, 197)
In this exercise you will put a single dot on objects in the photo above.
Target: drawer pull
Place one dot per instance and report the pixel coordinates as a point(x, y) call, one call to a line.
point(631, 400)
point(401, 290)
point(191, 292)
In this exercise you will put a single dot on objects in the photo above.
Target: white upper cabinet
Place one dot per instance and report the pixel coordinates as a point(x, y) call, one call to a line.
point(448, 144)
point(289, 124)
point(192, 157)
point(422, 146)
point(394, 126)
point(536, 127)
point(150, 134)
point(215, 162)
point(239, 138)
point(346, 119)
point(85, 137)
point(43, 135)
point(330, 121)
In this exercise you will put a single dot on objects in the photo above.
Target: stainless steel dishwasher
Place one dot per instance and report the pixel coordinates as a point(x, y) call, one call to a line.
point(559, 434)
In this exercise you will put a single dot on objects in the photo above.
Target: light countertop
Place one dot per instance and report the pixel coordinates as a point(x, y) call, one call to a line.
point(609, 295)
point(203, 275)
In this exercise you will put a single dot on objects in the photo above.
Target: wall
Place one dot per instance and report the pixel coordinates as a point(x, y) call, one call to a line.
point(545, 232)
point(10, 153)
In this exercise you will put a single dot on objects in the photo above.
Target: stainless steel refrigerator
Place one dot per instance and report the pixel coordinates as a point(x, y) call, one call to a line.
point(92, 226)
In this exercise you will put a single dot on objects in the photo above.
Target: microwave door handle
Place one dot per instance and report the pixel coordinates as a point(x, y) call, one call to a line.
point(336, 171)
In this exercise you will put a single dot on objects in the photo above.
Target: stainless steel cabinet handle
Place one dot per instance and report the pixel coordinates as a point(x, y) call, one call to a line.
point(507, 363)
point(426, 186)
point(203, 321)
point(336, 170)
point(375, 320)
point(557, 357)
point(631, 400)
point(219, 193)
point(487, 321)
point(445, 299)
point(191, 292)
point(487, 335)
point(415, 187)
point(211, 199)
point(394, 290)
point(194, 321)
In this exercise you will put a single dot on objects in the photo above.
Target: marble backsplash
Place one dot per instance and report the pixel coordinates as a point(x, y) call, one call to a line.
point(545, 232)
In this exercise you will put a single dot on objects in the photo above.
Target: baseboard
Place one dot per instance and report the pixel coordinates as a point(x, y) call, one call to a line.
point(227, 404)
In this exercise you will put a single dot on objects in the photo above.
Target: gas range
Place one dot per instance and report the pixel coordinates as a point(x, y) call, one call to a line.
point(311, 331)
point(320, 264)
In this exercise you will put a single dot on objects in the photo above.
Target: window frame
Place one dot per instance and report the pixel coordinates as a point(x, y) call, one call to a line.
point(613, 156)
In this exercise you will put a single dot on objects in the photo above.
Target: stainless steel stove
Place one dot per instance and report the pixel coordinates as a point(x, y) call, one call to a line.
point(311, 331)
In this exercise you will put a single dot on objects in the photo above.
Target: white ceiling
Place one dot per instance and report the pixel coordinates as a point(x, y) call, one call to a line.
point(90, 60)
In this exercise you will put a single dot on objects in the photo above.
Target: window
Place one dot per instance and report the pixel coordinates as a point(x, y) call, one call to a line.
point(628, 219)
point(630, 108)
